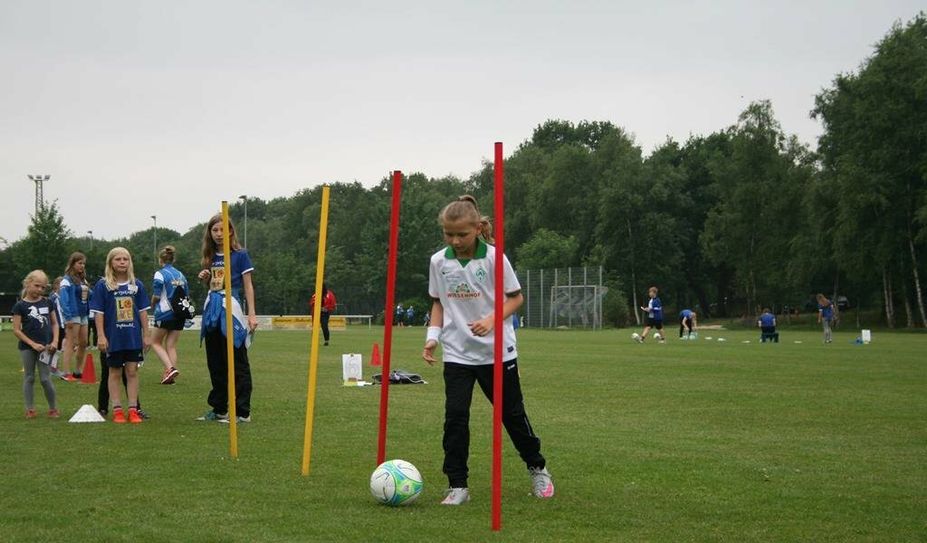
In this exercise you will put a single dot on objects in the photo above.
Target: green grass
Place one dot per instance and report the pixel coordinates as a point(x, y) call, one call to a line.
point(688, 441)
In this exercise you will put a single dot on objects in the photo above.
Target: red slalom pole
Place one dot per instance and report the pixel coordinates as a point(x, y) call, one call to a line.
point(388, 314)
point(498, 337)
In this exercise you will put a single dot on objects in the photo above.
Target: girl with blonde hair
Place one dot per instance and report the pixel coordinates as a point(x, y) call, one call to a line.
point(119, 305)
point(36, 325)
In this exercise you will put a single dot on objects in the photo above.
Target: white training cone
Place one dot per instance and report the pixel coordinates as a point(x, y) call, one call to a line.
point(87, 413)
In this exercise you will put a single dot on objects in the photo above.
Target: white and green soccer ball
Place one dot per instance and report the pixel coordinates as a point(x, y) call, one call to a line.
point(396, 482)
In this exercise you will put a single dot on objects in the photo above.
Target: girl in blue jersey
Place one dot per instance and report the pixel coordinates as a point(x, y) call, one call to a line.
point(461, 284)
point(74, 298)
point(167, 325)
point(213, 325)
point(654, 309)
point(35, 324)
point(119, 305)
point(826, 316)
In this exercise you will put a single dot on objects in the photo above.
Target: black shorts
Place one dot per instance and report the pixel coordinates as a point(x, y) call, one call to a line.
point(170, 324)
point(118, 359)
point(655, 323)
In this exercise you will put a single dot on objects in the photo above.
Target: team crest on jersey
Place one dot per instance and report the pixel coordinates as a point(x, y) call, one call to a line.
point(480, 275)
point(463, 292)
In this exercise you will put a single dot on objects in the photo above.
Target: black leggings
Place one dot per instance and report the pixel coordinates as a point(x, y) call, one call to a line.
point(217, 362)
point(458, 392)
point(323, 320)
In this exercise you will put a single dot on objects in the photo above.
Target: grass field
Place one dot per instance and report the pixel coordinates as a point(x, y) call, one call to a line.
point(688, 441)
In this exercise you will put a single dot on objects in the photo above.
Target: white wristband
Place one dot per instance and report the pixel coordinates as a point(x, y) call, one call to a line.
point(434, 333)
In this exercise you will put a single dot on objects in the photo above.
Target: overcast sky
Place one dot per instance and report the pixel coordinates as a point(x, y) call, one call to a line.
point(168, 107)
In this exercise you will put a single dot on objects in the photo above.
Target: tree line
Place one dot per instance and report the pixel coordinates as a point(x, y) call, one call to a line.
point(727, 223)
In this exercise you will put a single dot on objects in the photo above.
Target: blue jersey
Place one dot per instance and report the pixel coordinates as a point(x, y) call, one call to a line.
point(655, 309)
point(166, 281)
point(36, 321)
point(241, 264)
point(827, 311)
point(685, 314)
point(74, 297)
point(123, 310)
point(767, 320)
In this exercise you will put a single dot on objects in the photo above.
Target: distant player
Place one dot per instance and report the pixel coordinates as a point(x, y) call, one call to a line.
point(654, 309)
point(688, 322)
point(826, 316)
point(767, 324)
point(325, 312)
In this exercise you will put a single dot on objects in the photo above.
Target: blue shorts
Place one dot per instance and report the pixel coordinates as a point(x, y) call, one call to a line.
point(118, 359)
point(83, 321)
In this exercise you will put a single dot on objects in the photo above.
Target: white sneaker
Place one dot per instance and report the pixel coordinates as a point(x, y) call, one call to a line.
point(541, 483)
point(456, 496)
point(239, 420)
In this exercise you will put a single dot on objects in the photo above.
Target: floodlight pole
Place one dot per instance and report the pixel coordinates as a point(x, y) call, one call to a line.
point(155, 219)
point(244, 198)
point(39, 180)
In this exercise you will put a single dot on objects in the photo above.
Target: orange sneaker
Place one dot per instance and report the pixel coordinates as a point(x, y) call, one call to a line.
point(30, 413)
point(53, 413)
point(134, 417)
point(118, 416)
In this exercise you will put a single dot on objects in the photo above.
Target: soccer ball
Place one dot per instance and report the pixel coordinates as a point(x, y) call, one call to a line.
point(635, 336)
point(396, 482)
point(657, 336)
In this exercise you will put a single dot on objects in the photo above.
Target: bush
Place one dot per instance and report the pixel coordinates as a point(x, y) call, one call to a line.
point(615, 309)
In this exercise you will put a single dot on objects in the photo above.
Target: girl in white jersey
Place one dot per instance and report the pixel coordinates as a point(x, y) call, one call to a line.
point(461, 284)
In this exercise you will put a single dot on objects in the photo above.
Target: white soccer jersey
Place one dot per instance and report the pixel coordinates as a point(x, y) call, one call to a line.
point(466, 293)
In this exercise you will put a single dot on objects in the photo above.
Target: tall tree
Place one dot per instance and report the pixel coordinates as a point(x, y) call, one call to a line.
point(45, 243)
point(875, 146)
point(758, 207)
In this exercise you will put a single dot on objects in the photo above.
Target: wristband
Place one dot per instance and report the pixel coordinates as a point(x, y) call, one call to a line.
point(434, 333)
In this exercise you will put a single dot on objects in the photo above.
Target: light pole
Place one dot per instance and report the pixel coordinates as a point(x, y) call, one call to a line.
point(244, 198)
point(155, 219)
point(39, 194)
point(91, 239)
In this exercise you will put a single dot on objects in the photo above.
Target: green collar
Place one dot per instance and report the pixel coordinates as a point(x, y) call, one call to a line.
point(481, 250)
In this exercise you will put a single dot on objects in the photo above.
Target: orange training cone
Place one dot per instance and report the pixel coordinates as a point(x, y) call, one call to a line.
point(375, 357)
point(89, 376)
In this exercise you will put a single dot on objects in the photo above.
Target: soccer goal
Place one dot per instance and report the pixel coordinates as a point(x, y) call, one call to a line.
point(576, 306)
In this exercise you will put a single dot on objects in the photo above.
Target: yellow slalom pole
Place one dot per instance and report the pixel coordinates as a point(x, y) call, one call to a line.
point(314, 346)
point(229, 330)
